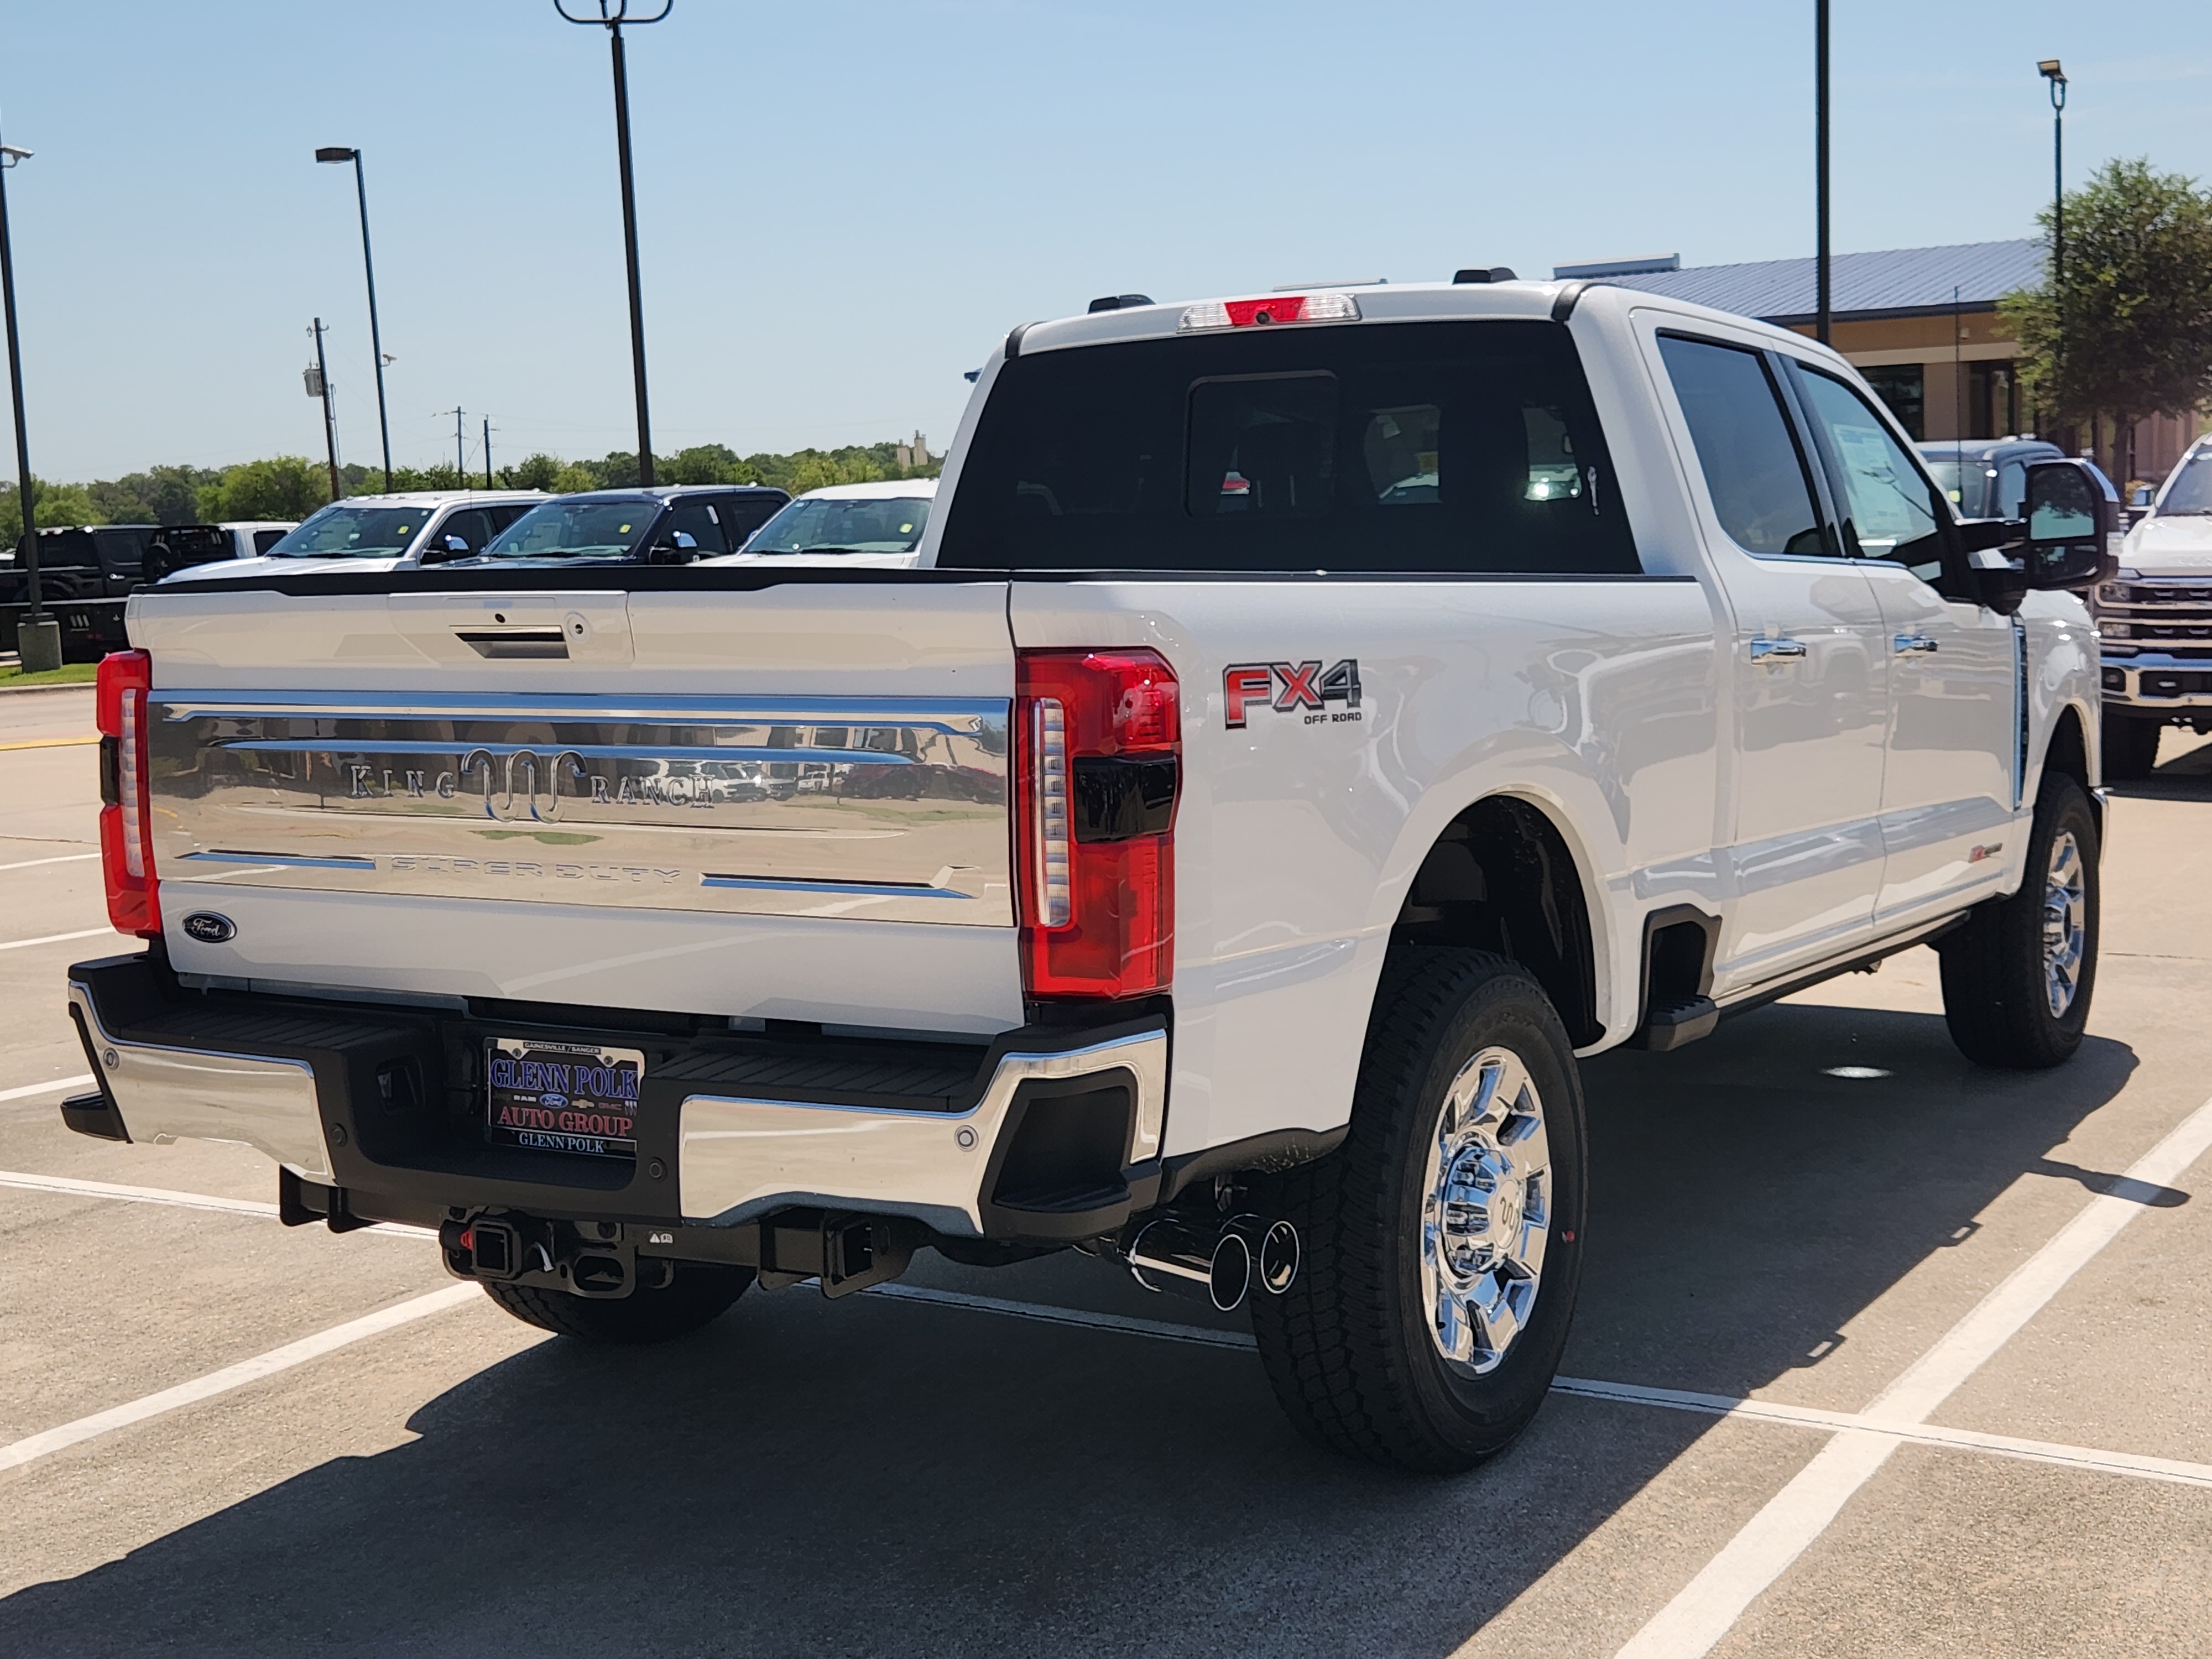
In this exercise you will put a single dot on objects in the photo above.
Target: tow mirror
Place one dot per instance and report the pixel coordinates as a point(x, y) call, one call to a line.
point(2073, 526)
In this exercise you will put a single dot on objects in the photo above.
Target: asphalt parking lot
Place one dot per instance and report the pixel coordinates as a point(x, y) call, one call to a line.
point(1878, 1354)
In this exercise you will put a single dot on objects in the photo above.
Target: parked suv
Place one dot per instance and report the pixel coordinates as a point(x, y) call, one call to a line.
point(406, 531)
point(2155, 620)
point(664, 524)
point(103, 562)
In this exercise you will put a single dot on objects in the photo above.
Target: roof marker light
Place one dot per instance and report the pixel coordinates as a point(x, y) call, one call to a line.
point(1273, 308)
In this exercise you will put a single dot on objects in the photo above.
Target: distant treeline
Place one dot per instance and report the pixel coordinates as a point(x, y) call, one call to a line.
point(292, 486)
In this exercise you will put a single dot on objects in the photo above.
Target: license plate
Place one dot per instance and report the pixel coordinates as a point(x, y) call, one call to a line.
point(563, 1096)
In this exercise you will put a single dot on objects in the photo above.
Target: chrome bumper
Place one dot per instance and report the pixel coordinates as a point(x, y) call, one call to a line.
point(164, 1094)
point(2155, 681)
point(744, 1157)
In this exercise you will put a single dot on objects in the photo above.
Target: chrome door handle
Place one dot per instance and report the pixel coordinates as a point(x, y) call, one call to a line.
point(1913, 642)
point(1762, 650)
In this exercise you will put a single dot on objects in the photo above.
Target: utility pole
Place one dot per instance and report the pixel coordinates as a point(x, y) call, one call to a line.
point(318, 386)
point(1823, 296)
point(613, 13)
point(460, 461)
point(487, 421)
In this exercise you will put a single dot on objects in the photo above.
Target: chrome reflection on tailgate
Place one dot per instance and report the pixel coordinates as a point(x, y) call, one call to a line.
point(890, 809)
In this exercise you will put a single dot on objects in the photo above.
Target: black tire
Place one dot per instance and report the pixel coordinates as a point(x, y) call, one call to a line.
point(1996, 992)
point(1349, 1348)
point(2130, 746)
point(699, 1293)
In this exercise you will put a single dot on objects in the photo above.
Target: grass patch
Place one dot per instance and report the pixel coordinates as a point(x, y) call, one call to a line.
point(70, 673)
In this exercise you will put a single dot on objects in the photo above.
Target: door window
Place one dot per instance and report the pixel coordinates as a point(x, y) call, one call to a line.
point(470, 525)
point(505, 515)
point(1762, 489)
point(1890, 510)
point(743, 514)
point(695, 518)
point(266, 539)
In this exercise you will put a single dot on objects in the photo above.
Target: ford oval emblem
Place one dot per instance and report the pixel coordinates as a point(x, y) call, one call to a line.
point(209, 928)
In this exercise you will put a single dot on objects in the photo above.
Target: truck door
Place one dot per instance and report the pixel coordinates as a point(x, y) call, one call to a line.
point(1947, 787)
point(1801, 868)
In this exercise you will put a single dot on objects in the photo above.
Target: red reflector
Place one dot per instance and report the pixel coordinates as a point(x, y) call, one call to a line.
point(1098, 900)
point(126, 825)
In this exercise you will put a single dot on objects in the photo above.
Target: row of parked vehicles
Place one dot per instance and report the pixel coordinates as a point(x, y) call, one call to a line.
point(676, 524)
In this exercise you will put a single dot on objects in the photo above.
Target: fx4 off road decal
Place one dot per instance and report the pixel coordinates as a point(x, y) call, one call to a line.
point(1303, 688)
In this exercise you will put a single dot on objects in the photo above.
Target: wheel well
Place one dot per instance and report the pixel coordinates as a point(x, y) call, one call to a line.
point(2069, 750)
point(1500, 878)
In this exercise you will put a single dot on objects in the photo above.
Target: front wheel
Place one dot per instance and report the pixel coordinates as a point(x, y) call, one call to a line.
point(2018, 976)
point(1442, 1240)
point(699, 1293)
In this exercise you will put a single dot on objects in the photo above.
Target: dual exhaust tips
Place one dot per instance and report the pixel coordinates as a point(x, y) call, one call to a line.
point(1220, 1259)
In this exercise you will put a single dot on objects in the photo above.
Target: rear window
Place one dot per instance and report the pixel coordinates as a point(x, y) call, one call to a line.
point(1415, 447)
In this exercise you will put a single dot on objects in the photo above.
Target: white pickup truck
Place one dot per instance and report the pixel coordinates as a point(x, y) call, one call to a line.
point(2155, 620)
point(1312, 722)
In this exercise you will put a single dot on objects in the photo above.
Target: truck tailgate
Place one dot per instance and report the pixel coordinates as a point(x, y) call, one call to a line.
point(789, 802)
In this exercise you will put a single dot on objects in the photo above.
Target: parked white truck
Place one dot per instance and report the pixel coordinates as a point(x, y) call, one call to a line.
point(2155, 619)
point(1314, 721)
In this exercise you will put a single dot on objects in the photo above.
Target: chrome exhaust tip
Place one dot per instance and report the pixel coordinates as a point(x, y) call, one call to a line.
point(1170, 1254)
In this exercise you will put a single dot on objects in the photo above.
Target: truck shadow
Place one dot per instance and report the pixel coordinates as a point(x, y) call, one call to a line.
point(888, 1477)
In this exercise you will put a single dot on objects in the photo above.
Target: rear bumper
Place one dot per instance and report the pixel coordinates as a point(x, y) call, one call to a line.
point(1037, 1135)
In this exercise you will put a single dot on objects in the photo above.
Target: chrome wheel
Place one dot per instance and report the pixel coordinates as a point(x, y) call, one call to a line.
point(1485, 1212)
point(2065, 924)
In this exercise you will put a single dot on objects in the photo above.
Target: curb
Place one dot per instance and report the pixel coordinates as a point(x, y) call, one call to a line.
point(34, 690)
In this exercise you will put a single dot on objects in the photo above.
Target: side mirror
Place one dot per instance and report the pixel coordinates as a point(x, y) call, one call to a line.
point(676, 548)
point(2073, 526)
point(455, 545)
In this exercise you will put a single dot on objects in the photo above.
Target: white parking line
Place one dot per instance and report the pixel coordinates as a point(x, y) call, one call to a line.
point(1710, 1603)
point(58, 939)
point(59, 1086)
point(45, 1444)
point(66, 858)
point(76, 1187)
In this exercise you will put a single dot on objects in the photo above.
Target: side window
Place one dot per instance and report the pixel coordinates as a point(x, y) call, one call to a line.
point(2011, 491)
point(743, 514)
point(470, 524)
point(1762, 489)
point(1890, 509)
point(266, 539)
point(504, 515)
point(695, 516)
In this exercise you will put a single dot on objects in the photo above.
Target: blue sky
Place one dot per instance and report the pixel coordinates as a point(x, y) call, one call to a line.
point(844, 202)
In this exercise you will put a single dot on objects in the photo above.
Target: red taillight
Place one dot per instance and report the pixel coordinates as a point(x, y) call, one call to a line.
point(1273, 308)
point(1098, 740)
point(127, 824)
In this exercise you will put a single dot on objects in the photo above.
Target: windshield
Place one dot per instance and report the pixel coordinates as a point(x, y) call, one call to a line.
point(884, 524)
point(2191, 488)
point(339, 532)
point(1970, 485)
point(576, 529)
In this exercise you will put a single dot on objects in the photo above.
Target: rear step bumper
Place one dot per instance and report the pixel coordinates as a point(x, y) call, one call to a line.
point(1040, 1135)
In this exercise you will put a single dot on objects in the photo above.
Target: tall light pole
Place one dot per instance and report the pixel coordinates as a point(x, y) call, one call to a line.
point(1823, 296)
point(318, 386)
point(33, 645)
point(2050, 71)
point(613, 13)
point(338, 153)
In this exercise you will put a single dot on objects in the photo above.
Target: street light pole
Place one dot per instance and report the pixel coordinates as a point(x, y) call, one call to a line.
point(1823, 305)
point(2051, 70)
point(613, 13)
point(338, 153)
point(9, 156)
point(330, 420)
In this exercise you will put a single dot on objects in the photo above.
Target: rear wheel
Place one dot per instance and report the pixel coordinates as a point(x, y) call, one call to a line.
point(1442, 1240)
point(2130, 746)
point(699, 1293)
point(2018, 976)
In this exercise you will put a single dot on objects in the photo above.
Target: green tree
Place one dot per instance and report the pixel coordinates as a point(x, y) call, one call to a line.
point(159, 494)
point(549, 473)
point(2128, 331)
point(57, 505)
point(703, 464)
point(283, 487)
